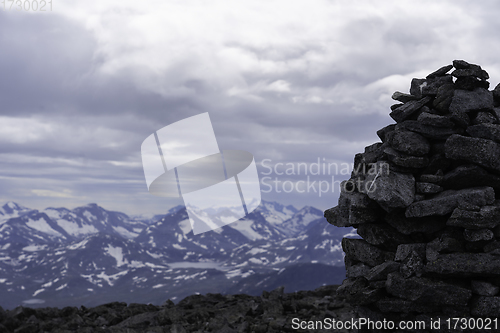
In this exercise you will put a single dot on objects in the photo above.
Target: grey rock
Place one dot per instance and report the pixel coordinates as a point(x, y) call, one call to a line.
point(382, 133)
point(430, 119)
point(486, 217)
point(402, 97)
point(360, 250)
point(470, 175)
point(496, 95)
point(470, 83)
point(408, 226)
point(424, 290)
point(404, 250)
point(409, 143)
point(440, 72)
point(419, 197)
point(428, 131)
point(395, 106)
point(485, 131)
point(492, 247)
point(405, 160)
point(443, 98)
point(409, 108)
point(416, 87)
point(413, 264)
point(142, 320)
point(464, 265)
point(473, 70)
point(460, 64)
point(393, 304)
point(443, 244)
point(432, 86)
point(391, 189)
point(484, 288)
point(366, 296)
point(478, 235)
point(354, 208)
point(479, 151)
point(496, 231)
point(486, 307)
point(380, 272)
point(428, 188)
point(464, 205)
point(464, 101)
point(382, 235)
point(445, 202)
point(373, 153)
point(437, 162)
point(357, 270)
point(435, 179)
point(485, 117)
point(351, 286)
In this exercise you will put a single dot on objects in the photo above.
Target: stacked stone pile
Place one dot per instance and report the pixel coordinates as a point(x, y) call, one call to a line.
point(426, 203)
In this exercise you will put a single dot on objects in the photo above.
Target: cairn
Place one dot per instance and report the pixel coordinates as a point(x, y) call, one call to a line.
point(425, 202)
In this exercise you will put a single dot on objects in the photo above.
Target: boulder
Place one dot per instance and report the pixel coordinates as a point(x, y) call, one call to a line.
point(445, 202)
point(390, 189)
point(464, 265)
point(427, 291)
point(360, 250)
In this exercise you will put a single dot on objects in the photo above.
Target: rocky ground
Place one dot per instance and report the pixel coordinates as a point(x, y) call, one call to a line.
point(272, 312)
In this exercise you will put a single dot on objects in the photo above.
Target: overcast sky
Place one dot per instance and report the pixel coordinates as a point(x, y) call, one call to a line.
point(82, 86)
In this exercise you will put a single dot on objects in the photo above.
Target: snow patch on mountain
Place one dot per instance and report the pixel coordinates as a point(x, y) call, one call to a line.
point(42, 226)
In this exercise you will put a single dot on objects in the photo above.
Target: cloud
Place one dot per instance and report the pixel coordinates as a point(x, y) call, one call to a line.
point(53, 194)
point(83, 86)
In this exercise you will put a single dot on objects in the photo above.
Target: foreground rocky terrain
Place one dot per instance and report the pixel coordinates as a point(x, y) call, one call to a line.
point(272, 312)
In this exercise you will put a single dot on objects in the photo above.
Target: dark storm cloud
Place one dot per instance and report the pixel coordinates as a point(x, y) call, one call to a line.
point(80, 90)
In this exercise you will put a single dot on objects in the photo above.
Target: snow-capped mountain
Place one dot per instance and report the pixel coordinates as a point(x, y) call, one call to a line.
point(61, 225)
point(10, 210)
point(89, 255)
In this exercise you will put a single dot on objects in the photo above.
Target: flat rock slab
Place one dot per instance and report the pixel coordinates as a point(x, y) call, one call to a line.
point(410, 143)
point(486, 307)
point(470, 175)
point(354, 208)
point(360, 250)
point(465, 265)
point(483, 152)
point(381, 234)
point(478, 235)
point(407, 109)
point(484, 288)
point(428, 131)
point(408, 226)
point(486, 217)
point(464, 101)
point(485, 131)
point(380, 272)
point(436, 120)
point(426, 291)
point(390, 189)
point(405, 160)
point(445, 202)
point(404, 250)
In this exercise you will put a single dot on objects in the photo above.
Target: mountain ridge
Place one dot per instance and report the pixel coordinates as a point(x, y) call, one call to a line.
point(54, 258)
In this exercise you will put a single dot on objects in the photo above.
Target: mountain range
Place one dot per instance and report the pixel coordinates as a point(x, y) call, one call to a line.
point(90, 255)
